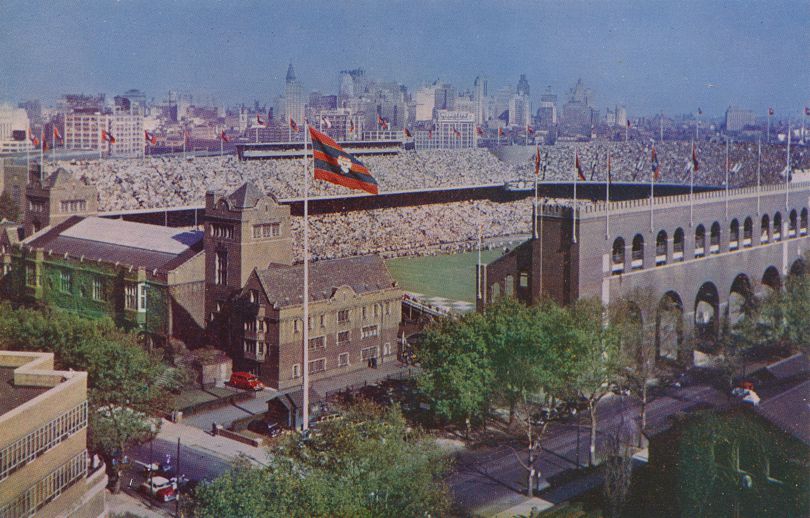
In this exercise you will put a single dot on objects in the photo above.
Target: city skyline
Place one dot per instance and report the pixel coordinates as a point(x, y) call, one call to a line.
point(707, 56)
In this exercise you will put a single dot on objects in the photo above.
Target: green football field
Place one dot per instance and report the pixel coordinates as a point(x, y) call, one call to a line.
point(451, 276)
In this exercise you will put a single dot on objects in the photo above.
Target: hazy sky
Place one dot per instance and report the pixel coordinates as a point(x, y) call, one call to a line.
point(650, 55)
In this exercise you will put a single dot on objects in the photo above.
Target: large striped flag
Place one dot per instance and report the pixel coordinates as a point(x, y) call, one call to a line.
point(579, 167)
point(333, 164)
point(537, 161)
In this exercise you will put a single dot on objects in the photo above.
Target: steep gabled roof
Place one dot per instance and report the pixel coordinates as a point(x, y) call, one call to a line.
point(283, 285)
point(245, 197)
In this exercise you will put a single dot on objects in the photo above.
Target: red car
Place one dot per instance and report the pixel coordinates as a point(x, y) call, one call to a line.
point(245, 381)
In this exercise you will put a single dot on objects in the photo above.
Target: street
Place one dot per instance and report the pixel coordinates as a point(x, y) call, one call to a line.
point(490, 480)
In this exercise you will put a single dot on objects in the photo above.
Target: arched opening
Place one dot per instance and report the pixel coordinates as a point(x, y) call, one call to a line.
point(777, 227)
point(707, 305)
point(677, 245)
point(618, 256)
point(803, 222)
point(798, 268)
point(626, 316)
point(669, 326)
point(739, 297)
point(765, 229)
point(661, 248)
point(771, 280)
point(792, 223)
point(638, 252)
point(714, 240)
point(509, 286)
point(700, 241)
point(734, 235)
point(748, 232)
point(494, 292)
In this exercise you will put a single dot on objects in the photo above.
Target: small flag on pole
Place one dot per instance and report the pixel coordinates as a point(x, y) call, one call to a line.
point(351, 126)
point(150, 137)
point(456, 132)
point(500, 132)
point(333, 164)
point(609, 177)
point(529, 130)
point(537, 161)
point(108, 137)
point(44, 141)
point(224, 137)
point(694, 157)
point(430, 134)
point(382, 123)
point(56, 134)
point(33, 138)
point(326, 122)
point(293, 125)
point(656, 167)
point(700, 112)
point(579, 167)
point(628, 123)
point(479, 131)
point(406, 132)
point(259, 120)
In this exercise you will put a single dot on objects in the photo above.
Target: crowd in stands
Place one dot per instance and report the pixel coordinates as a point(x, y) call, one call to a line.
point(170, 182)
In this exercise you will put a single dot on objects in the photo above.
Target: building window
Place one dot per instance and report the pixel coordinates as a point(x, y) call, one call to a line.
point(250, 325)
point(223, 231)
point(368, 353)
point(266, 230)
point(376, 310)
point(221, 267)
point(343, 337)
point(249, 346)
point(318, 365)
point(130, 296)
point(65, 281)
point(98, 290)
point(73, 206)
point(323, 320)
point(524, 280)
point(365, 313)
point(295, 326)
point(387, 308)
point(370, 331)
point(387, 349)
point(343, 316)
point(317, 344)
point(254, 296)
point(343, 359)
point(296, 371)
point(141, 297)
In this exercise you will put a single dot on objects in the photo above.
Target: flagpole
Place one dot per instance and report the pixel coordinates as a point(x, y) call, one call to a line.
point(42, 156)
point(759, 160)
point(692, 188)
point(479, 262)
point(28, 156)
point(574, 208)
point(652, 195)
point(536, 173)
point(768, 134)
point(787, 173)
point(607, 200)
point(305, 425)
point(727, 144)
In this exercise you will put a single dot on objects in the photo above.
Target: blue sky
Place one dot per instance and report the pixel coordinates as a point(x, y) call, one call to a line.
point(650, 55)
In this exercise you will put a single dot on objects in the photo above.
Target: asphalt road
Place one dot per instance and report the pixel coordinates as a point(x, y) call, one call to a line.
point(490, 480)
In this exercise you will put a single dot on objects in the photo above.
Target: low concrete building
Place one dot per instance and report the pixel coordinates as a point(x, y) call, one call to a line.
point(45, 470)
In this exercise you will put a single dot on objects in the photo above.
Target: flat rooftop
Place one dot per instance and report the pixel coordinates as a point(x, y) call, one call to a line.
point(12, 396)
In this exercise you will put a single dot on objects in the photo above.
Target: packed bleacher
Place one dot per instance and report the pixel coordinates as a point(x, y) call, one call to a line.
point(168, 182)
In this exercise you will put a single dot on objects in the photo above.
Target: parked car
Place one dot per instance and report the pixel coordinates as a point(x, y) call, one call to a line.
point(159, 488)
point(245, 381)
point(268, 428)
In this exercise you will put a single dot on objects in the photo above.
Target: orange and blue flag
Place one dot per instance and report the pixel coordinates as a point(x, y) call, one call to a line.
point(333, 164)
point(656, 167)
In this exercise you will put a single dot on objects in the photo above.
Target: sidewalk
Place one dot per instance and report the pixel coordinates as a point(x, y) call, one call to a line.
point(123, 505)
point(217, 446)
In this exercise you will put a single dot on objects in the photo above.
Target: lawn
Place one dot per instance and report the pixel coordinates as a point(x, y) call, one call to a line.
point(451, 276)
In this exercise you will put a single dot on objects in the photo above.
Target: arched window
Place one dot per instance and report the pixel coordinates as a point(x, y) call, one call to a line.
point(734, 235)
point(677, 245)
point(509, 286)
point(714, 243)
point(803, 223)
point(618, 256)
point(748, 231)
point(765, 229)
point(661, 248)
point(700, 241)
point(792, 224)
point(494, 292)
point(638, 252)
point(777, 227)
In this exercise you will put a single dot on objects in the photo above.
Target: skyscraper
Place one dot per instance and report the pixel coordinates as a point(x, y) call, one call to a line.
point(480, 100)
point(294, 101)
point(523, 85)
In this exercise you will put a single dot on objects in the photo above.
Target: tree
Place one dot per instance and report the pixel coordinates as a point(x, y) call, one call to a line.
point(366, 463)
point(457, 371)
point(596, 362)
point(9, 209)
point(128, 386)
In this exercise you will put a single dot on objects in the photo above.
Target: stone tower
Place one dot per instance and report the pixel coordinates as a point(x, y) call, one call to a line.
point(55, 199)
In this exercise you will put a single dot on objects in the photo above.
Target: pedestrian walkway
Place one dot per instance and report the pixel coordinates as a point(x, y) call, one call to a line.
point(447, 305)
point(123, 505)
point(217, 446)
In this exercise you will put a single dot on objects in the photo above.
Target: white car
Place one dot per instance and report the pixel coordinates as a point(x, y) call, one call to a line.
point(160, 488)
